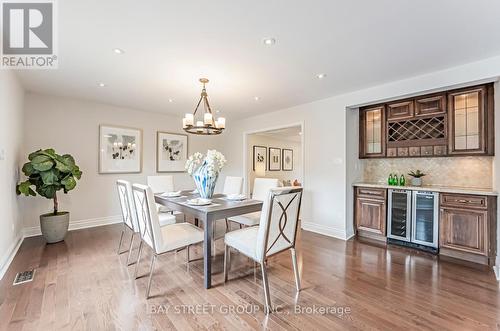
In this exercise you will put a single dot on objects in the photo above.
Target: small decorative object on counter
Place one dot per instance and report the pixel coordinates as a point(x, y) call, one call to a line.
point(390, 180)
point(402, 180)
point(395, 179)
point(416, 177)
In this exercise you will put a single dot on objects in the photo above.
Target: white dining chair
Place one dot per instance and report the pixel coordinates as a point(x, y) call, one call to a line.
point(261, 188)
point(129, 215)
point(162, 184)
point(276, 233)
point(232, 185)
point(164, 239)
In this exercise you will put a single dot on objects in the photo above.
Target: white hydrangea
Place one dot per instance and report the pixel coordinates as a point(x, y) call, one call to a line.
point(214, 160)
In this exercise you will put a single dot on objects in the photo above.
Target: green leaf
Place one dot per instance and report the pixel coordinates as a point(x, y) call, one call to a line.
point(31, 156)
point(24, 188)
point(69, 159)
point(69, 183)
point(42, 163)
point(28, 169)
point(76, 172)
point(62, 166)
point(50, 177)
point(47, 191)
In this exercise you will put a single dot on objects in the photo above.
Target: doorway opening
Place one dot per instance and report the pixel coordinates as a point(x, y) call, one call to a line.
point(274, 153)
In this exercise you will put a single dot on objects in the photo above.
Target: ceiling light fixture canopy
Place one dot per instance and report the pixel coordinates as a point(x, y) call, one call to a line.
point(208, 125)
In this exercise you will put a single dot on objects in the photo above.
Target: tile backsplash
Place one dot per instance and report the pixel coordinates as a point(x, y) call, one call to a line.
point(469, 171)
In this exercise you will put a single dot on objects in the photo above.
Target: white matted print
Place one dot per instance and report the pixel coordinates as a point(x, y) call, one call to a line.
point(274, 159)
point(171, 152)
point(120, 149)
point(287, 159)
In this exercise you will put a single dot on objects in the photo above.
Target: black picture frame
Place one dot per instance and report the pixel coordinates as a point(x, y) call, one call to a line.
point(276, 164)
point(283, 166)
point(263, 153)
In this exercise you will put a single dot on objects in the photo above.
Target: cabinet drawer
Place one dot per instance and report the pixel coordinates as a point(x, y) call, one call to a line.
point(403, 151)
point(464, 201)
point(431, 105)
point(400, 110)
point(371, 192)
point(440, 150)
point(392, 152)
point(427, 150)
point(414, 151)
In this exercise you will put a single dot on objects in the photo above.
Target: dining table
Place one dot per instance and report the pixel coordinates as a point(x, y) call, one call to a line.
point(221, 207)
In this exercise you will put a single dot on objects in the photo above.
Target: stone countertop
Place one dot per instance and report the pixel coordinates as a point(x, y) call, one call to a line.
point(433, 188)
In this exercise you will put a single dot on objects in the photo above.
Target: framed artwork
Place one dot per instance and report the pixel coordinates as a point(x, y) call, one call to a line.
point(259, 157)
point(120, 150)
point(274, 159)
point(171, 152)
point(287, 159)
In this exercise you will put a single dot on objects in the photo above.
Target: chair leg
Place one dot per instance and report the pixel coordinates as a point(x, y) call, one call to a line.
point(227, 225)
point(138, 260)
point(295, 268)
point(265, 283)
point(151, 275)
point(227, 261)
point(121, 239)
point(241, 226)
point(130, 248)
point(187, 254)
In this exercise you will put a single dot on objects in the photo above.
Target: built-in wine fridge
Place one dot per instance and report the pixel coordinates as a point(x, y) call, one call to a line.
point(413, 219)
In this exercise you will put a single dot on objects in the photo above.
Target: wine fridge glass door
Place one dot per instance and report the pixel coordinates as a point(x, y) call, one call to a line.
point(425, 218)
point(399, 214)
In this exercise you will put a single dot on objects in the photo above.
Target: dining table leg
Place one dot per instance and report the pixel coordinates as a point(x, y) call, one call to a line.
point(207, 253)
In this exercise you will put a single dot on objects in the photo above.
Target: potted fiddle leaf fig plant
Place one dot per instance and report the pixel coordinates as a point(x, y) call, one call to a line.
point(416, 179)
point(47, 173)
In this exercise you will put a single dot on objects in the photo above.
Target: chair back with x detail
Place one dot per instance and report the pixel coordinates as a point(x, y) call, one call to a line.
point(279, 221)
point(149, 224)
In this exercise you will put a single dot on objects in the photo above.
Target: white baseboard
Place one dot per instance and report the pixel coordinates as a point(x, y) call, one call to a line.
point(75, 225)
point(9, 255)
point(324, 230)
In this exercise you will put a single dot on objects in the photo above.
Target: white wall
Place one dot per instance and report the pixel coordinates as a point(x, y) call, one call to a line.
point(330, 153)
point(72, 126)
point(11, 133)
point(267, 141)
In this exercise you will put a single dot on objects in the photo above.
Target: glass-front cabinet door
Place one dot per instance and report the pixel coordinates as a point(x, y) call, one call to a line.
point(467, 121)
point(372, 132)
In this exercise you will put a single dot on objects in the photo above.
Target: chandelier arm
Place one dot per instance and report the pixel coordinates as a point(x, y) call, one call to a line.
point(197, 106)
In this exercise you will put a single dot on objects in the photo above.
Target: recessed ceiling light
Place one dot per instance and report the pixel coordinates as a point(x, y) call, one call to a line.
point(321, 76)
point(256, 98)
point(101, 84)
point(118, 51)
point(170, 100)
point(269, 41)
point(217, 111)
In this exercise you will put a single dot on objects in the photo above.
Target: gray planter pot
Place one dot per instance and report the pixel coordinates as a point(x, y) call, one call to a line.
point(416, 181)
point(54, 227)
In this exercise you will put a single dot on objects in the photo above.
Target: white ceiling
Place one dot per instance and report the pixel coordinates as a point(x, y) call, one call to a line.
point(170, 44)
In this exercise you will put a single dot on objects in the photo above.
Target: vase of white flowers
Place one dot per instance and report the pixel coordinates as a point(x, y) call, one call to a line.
point(205, 171)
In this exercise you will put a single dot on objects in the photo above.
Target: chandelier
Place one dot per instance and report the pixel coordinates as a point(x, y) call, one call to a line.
point(207, 126)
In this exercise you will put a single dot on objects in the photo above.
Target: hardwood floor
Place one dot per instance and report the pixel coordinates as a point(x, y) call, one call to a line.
point(83, 284)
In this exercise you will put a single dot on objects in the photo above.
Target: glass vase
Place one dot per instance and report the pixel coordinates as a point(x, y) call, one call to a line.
point(205, 183)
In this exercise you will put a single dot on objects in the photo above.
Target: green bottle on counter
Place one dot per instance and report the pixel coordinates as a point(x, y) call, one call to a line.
point(390, 181)
point(402, 180)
